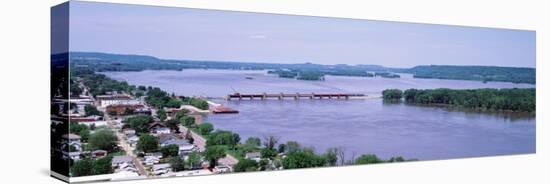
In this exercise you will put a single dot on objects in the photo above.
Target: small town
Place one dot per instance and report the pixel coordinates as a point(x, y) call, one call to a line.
point(140, 140)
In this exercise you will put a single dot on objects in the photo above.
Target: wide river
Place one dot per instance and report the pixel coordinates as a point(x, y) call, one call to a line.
point(358, 126)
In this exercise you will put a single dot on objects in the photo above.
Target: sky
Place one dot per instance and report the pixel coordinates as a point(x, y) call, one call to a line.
point(183, 33)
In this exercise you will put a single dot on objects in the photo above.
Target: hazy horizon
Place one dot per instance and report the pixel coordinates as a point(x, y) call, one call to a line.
point(212, 35)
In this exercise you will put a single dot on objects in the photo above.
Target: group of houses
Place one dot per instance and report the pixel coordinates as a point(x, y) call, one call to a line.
point(120, 107)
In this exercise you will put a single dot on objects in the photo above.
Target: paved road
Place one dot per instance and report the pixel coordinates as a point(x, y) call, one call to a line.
point(127, 148)
point(198, 140)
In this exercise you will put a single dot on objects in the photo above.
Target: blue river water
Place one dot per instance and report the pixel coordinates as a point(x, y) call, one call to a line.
point(357, 126)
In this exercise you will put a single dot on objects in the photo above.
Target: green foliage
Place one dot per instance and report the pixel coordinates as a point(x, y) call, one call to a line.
point(293, 146)
point(197, 102)
point(157, 97)
point(139, 94)
point(82, 167)
point(253, 141)
point(386, 75)
point(264, 164)
point(303, 159)
point(173, 124)
point(161, 114)
point(392, 94)
point(368, 159)
point(270, 142)
point(396, 159)
point(170, 151)
point(84, 135)
point(520, 100)
point(331, 156)
point(75, 128)
point(86, 167)
point(308, 71)
point(80, 129)
point(213, 153)
point(140, 123)
point(268, 153)
point(103, 166)
point(311, 75)
point(103, 139)
point(194, 160)
point(223, 137)
point(91, 110)
point(75, 90)
point(174, 103)
point(182, 113)
point(147, 143)
point(282, 148)
point(100, 84)
point(177, 164)
point(187, 121)
point(206, 128)
point(245, 165)
point(479, 73)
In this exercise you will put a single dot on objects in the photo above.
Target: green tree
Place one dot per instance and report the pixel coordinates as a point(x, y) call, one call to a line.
point(293, 146)
point(331, 156)
point(188, 121)
point(245, 165)
point(83, 167)
point(75, 90)
point(302, 159)
point(170, 150)
point(392, 94)
point(368, 159)
point(206, 128)
point(396, 159)
point(84, 135)
point(161, 114)
point(91, 110)
point(177, 164)
point(75, 128)
point(173, 124)
point(263, 164)
point(194, 160)
point(282, 148)
point(270, 142)
point(182, 113)
point(147, 143)
point(103, 139)
point(253, 141)
point(140, 123)
point(268, 153)
point(213, 153)
point(223, 137)
point(173, 103)
point(103, 166)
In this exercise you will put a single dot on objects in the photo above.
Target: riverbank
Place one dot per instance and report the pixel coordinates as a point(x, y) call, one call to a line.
point(369, 126)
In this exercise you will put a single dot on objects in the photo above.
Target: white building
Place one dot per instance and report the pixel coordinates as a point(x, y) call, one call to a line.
point(118, 161)
point(106, 100)
point(95, 123)
point(160, 169)
point(256, 156)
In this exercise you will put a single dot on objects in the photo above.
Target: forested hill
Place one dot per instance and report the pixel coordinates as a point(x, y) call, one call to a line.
point(118, 62)
point(480, 73)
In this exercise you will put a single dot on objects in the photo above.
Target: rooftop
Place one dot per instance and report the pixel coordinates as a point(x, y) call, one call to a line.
point(121, 159)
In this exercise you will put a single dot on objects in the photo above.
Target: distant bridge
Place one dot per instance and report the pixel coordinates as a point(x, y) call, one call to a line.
point(295, 96)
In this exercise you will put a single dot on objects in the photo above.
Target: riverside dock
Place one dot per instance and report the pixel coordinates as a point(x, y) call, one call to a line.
point(295, 96)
